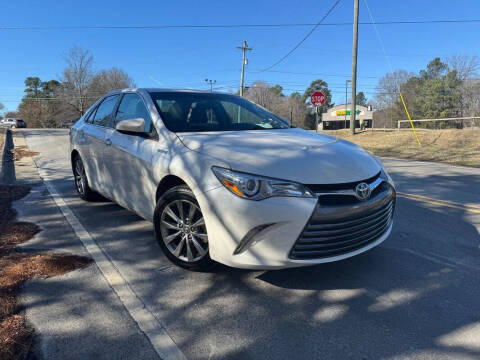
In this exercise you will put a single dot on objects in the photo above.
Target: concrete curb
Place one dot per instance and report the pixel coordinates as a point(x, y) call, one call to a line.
point(7, 171)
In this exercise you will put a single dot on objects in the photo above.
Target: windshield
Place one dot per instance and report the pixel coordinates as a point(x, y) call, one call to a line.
point(193, 112)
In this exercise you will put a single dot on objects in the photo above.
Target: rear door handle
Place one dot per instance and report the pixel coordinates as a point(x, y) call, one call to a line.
point(108, 142)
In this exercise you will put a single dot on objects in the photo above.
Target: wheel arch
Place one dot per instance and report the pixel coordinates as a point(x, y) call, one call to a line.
point(168, 182)
point(73, 155)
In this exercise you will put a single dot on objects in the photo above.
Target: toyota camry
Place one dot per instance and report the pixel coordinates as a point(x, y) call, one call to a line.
point(224, 180)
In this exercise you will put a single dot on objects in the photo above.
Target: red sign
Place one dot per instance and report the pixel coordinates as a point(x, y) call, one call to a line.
point(317, 98)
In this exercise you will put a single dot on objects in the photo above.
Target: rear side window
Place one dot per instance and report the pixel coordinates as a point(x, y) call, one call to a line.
point(132, 107)
point(104, 112)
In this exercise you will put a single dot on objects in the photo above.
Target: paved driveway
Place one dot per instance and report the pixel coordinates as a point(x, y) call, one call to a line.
point(415, 296)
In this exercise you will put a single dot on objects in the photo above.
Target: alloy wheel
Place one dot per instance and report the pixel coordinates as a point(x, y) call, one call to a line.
point(80, 177)
point(183, 230)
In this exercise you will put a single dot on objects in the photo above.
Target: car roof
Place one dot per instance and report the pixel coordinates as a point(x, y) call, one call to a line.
point(193, 91)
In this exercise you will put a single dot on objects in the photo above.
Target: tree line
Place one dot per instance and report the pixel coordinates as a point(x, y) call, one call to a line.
point(444, 89)
point(448, 88)
point(295, 106)
point(50, 103)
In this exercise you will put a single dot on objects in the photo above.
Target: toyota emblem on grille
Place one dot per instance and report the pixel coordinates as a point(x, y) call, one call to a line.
point(362, 191)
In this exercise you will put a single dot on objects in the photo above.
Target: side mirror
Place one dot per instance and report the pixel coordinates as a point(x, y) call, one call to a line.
point(288, 121)
point(132, 126)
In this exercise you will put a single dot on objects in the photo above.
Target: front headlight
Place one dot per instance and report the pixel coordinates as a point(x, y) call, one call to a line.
point(255, 187)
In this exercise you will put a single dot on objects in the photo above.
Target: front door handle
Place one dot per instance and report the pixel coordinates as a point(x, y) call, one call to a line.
point(108, 142)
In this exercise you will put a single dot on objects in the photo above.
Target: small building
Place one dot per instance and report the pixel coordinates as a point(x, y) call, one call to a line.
point(338, 117)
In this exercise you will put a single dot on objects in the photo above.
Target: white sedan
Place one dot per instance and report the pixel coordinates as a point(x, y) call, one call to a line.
point(224, 180)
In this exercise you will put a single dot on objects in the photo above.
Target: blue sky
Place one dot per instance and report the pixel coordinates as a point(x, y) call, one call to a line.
point(185, 57)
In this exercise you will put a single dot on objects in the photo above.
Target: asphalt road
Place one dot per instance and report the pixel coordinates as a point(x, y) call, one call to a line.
point(415, 296)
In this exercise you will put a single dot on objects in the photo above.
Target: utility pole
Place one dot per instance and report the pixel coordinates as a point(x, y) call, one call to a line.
point(346, 100)
point(354, 67)
point(211, 82)
point(244, 48)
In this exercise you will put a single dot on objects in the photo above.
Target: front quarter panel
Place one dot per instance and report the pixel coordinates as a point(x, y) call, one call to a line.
point(229, 218)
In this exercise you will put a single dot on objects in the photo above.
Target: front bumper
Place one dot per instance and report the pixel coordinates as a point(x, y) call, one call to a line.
point(278, 225)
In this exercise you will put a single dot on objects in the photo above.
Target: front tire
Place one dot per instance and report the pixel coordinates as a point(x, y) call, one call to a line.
point(81, 181)
point(180, 229)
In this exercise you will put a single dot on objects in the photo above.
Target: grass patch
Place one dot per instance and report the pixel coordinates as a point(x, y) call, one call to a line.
point(16, 268)
point(457, 147)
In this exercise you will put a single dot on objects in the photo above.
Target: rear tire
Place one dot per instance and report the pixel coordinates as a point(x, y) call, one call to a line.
point(81, 181)
point(180, 229)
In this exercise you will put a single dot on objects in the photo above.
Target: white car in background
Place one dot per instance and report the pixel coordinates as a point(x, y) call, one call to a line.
point(224, 180)
point(12, 123)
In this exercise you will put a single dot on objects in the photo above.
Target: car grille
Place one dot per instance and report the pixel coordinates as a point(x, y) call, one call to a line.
point(337, 230)
point(340, 186)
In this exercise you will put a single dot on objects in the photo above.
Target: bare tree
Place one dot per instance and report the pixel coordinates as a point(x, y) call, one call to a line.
point(294, 108)
point(262, 94)
point(108, 80)
point(77, 77)
point(273, 99)
point(11, 114)
point(1, 106)
point(38, 114)
point(470, 95)
point(387, 88)
point(466, 66)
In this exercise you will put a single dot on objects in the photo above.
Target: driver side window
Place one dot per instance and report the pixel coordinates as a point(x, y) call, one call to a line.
point(132, 107)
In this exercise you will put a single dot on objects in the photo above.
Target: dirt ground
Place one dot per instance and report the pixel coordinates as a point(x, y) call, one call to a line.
point(21, 151)
point(458, 147)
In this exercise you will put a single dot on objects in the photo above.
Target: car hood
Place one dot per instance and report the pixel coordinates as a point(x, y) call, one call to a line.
point(290, 154)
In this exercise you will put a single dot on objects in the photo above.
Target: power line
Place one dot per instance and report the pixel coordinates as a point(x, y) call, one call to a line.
point(220, 26)
point(309, 73)
point(328, 50)
point(305, 37)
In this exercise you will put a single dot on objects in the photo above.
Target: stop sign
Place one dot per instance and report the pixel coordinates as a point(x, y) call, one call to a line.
point(317, 98)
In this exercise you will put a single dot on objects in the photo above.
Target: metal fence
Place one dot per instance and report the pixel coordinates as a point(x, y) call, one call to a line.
point(470, 122)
